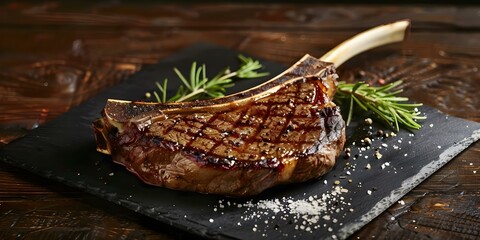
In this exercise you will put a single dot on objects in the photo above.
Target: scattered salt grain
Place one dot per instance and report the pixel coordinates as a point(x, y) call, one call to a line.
point(304, 213)
point(369, 192)
point(439, 146)
point(210, 220)
point(431, 125)
point(401, 202)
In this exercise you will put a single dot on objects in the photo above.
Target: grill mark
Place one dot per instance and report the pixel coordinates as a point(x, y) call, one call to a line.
point(288, 118)
point(200, 130)
point(168, 129)
point(319, 93)
point(234, 125)
point(255, 132)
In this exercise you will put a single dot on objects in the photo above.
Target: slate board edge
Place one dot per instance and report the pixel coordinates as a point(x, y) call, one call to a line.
point(410, 184)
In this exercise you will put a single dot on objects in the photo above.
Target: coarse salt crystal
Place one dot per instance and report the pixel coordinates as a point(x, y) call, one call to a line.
point(369, 192)
point(401, 202)
point(210, 220)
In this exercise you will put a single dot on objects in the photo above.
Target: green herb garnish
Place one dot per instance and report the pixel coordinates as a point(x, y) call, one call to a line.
point(199, 86)
point(383, 101)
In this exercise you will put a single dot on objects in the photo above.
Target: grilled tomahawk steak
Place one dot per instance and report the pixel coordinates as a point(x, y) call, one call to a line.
point(285, 130)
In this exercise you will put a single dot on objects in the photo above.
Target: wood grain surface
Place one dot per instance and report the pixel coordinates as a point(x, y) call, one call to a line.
point(55, 55)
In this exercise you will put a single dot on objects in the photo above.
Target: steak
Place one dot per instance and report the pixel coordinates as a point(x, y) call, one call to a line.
point(284, 131)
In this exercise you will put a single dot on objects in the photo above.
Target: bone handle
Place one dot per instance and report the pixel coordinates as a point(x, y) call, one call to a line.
point(372, 38)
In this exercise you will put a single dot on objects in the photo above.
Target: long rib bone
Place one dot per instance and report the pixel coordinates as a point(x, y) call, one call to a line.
point(364, 41)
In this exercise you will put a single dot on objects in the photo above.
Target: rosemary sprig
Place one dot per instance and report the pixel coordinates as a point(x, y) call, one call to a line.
point(383, 101)
point(199, 86)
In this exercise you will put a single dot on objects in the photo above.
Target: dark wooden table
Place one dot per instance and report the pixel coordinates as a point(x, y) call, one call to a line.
point(50, 53)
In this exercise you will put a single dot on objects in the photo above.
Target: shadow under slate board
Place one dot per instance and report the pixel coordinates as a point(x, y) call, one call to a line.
point(353, 193)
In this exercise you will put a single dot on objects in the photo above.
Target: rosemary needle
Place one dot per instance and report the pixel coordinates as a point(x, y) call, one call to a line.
point(383, 101)
point(199, 86)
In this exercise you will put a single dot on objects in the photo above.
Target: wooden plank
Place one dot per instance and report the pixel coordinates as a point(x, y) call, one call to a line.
point(284, 17)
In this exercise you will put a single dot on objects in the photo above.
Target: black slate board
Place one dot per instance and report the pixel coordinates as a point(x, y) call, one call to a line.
point(64, 150)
